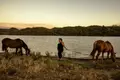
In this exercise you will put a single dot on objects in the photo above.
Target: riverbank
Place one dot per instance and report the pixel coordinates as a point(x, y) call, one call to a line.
point(37, 67)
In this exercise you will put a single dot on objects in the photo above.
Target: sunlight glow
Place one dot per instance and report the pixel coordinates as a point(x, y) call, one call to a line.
point(60, 13)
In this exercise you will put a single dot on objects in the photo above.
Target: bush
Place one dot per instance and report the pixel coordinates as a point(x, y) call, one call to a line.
point(36, 56)
point(47, 54)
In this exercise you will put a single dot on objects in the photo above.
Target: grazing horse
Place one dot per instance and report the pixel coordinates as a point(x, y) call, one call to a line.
point(14, 43)
point(103, 47)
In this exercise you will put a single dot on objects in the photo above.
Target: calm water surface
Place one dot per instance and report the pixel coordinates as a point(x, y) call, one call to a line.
point(80, 46)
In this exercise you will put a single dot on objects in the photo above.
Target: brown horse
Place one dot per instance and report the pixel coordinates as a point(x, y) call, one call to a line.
point(103, 47)
point(14, 43)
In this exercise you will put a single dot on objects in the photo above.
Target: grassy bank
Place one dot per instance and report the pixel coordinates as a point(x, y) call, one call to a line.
point(37, 67)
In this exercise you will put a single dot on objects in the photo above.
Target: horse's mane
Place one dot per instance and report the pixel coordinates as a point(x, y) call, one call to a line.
point(24, 44)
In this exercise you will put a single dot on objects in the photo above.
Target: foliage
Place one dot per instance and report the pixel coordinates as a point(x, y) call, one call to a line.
point(47, 54)
point(93, 30)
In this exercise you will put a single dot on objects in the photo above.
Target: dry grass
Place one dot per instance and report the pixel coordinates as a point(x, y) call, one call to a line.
point(116, 76)
point(37, 67)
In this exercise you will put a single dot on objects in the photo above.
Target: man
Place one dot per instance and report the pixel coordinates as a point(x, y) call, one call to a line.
point(60, 48)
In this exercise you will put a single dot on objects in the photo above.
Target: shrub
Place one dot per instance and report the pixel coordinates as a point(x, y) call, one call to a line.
point(47, 54)
point(36, 56)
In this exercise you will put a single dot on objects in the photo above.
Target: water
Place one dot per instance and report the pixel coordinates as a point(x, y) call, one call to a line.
point(79, 46)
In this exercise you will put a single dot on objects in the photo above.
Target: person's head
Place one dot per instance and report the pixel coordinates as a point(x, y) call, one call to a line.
point(60, 39)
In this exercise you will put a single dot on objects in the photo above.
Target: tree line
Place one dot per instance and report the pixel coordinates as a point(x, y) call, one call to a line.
point(94, 30)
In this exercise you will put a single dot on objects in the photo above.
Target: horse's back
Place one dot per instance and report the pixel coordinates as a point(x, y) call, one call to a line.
point(12, 43)
point(8, 39)
point(19, 40)
point(5, 40)
point(99, 41)
point(99, 44)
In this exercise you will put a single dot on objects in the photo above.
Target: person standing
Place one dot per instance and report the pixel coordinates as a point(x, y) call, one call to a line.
point(60, 48)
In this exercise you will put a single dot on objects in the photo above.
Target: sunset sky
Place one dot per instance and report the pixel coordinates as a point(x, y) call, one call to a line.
point(61, 12)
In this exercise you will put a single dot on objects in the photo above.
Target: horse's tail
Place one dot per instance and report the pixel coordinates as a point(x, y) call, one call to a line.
point(3, 46)
point(94, 49)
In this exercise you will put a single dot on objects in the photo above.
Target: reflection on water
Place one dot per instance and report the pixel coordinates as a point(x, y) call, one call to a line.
point(79, 46)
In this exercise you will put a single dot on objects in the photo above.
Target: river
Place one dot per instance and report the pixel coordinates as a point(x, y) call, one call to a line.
point(79, 46)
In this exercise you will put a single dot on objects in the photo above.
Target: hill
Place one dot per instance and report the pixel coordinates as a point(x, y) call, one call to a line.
point(94, 30)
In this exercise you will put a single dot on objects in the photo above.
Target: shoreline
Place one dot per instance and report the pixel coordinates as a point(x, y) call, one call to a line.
point(68, 58)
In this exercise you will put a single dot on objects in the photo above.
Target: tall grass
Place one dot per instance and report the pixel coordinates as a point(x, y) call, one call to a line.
point(37, 67)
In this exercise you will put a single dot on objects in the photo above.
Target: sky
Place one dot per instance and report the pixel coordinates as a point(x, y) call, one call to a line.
point(61, 12)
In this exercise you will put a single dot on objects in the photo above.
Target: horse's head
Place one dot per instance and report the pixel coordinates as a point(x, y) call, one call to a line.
point(28, 52)
point(114, 54)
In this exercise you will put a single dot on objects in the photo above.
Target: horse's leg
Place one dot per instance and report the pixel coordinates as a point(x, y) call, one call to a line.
point(6, 51)
point(21, 52)
point(93, 57)
point(97, 55)
point(108, 53)
point(93, 53)
point(16, 50)
point(102, 56)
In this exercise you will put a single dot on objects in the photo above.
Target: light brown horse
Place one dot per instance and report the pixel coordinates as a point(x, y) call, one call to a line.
point(14, 43)
point(103, 47)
